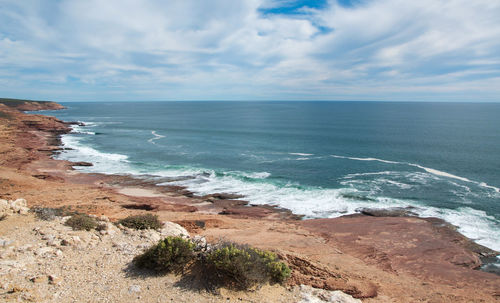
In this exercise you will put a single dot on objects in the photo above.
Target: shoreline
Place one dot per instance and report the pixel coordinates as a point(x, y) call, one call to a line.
point(371, 251)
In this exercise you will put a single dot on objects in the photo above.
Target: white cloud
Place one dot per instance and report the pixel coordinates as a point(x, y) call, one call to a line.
point(379, 49)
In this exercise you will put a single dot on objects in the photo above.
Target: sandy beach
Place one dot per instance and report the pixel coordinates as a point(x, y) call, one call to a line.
point(386, 258)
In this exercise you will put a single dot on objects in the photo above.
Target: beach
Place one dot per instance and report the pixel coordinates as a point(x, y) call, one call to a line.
point(376, 258)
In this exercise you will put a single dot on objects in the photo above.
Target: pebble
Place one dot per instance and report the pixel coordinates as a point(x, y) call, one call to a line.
point(134, 288)
point(55, 280)
point(5, 242)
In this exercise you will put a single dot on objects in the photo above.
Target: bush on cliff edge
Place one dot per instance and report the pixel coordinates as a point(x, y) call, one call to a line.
point(81, 222)
point(147, 221)
point(243, 267)
point(170, 254)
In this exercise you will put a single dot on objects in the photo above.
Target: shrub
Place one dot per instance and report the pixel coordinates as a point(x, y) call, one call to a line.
point(147, 221)
point(47, 213)
point(81, 222)
point(170, 254)
point(242, 267)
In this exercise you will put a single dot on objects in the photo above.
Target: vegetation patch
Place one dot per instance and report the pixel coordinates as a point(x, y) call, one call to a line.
point(225, 264)
point(243, 267)
point(47, 213)
point(147, 221)
point(81, 222)
point(170, 254)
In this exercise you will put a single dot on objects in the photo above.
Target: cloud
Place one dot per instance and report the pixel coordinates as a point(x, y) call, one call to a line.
point(250, 49)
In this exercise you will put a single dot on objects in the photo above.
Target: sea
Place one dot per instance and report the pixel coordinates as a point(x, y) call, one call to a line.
point(318, 159)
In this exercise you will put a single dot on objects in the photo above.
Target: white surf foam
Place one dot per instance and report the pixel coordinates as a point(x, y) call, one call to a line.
point(350, 176)
point(366, 159)
point(427, 169)
point(77, 129)
point(472, 223)
point(300, 154)
point(256, 175)
point(108, 163)
point(321, 203)
point(156, 137)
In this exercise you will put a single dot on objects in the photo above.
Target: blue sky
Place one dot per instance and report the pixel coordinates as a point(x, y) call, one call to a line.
point(426, 50)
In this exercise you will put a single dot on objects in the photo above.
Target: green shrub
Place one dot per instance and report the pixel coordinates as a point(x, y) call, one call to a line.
point(242, 267)
point(170, 254)
point(81, 222)
point(147, 221)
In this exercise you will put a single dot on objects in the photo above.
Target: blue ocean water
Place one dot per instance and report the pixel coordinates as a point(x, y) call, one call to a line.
point(319, 159)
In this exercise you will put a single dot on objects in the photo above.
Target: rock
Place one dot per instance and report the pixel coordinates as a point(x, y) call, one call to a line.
point(19, 205)
point(314, 295)
point(54, 242)
point(151, 235)
point(388, 212)
point(59, 253)
point(201, 243)
point(42, 251)
point(39, 279)
point(104, 218)
point(48, 237)
point(5, 242)
point(76, 239)
point(134, 289)
point(173, 229)
point(23, 210)
point(81, 163)
point(25, 247)
point(54, 280)
point(64, 219)
point(108, 228)
point(4, 206)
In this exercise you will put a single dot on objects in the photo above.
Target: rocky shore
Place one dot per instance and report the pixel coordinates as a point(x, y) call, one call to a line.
point(380, 258)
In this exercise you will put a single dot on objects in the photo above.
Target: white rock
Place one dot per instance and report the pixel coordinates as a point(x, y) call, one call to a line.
point(64, 219)
point(4, 205)
point(23, 210)
point(19, 203)
point(59, 253)
point(134, 288)
point(43, 251)
point(5, 242)
point(104, 218)
point(151, 235)
point(314, 295)
point(201, 242)
point(110, 228)
point(173, 229)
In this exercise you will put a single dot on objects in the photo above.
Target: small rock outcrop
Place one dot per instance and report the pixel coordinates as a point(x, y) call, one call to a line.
point(18, 206)
point(315, 295)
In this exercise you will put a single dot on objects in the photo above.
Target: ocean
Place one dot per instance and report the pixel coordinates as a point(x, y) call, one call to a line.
point(318, 159)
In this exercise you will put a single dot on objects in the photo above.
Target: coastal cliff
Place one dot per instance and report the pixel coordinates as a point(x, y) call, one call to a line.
point(30, 105)
point(376, 259)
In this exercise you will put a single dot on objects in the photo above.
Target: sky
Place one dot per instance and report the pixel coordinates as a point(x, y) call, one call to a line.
point(132, 50)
